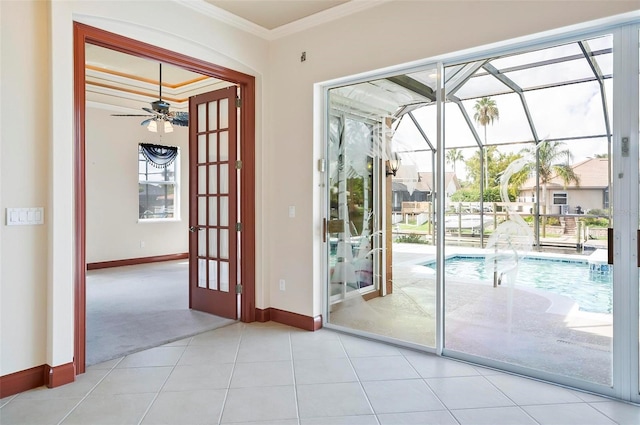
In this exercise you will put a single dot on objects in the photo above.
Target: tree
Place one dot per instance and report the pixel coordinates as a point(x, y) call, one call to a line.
point(486, 112)
point(454, 155)
point(554, 162)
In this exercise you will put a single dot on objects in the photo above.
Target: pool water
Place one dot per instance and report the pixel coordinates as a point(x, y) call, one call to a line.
point(570, 278)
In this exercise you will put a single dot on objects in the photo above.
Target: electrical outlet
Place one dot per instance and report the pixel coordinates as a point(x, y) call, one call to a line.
point(141, 244)
point(282, 284)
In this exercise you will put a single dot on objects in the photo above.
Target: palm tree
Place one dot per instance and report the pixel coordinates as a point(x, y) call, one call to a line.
point(554, 162)
point(454, 155)
point(486, 112)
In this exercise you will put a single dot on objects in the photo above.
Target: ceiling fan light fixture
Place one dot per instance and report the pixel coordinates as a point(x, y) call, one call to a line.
point(153, 126)
point(168, 128)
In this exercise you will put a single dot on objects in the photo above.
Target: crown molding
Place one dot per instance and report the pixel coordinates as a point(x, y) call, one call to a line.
point(222, 15)
point(316, 19)
point(337, 12)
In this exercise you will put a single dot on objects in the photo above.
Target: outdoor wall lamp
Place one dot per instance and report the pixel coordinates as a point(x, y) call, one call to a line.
point(392, 165)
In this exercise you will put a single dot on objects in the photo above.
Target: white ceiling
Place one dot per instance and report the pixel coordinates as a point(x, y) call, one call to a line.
point(271, 14)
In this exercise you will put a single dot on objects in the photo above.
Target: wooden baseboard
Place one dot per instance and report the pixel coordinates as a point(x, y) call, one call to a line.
point(59, 375)
point(23, 380)
point(288, 318)
point(35, 377)
point(134, 261)
point(263, 315)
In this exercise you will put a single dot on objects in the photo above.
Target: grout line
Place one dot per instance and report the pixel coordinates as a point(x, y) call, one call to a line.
point(423, 379)
point(155, 397)
point(233, 369)
point(366, 396)
point(293, 374)
point(91, 390)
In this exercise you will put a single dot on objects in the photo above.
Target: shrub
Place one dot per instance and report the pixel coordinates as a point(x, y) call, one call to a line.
point(410, 238)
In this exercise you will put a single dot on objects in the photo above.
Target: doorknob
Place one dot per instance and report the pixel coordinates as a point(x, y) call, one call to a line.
point(194, 228)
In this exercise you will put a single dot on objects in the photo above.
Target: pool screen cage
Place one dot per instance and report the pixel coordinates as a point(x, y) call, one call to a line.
point(552, 103)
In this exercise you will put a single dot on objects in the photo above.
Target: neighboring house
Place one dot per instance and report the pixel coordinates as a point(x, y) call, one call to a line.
point(412, 186)
point(591, 193)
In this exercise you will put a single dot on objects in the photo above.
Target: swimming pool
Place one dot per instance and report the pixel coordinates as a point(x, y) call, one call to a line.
point(570, 278)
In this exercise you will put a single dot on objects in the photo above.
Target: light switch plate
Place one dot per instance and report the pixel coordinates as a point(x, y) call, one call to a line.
point(24, 216)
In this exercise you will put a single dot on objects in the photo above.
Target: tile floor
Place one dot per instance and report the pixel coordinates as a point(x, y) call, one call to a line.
point(273, 374)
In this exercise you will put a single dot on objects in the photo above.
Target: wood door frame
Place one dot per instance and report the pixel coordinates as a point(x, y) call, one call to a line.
point(84, 34)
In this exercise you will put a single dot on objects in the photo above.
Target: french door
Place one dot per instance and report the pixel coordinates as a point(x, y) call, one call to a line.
point(213, 241)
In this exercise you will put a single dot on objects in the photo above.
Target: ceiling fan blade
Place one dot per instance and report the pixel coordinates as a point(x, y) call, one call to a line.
point(179, 118)
point(130, 115)
point(146, 122)
point(151, 111)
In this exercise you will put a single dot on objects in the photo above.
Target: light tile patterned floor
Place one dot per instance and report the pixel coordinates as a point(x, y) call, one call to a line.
point(272, 374)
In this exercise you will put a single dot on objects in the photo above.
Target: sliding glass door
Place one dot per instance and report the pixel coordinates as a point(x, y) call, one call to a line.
point(486, 209)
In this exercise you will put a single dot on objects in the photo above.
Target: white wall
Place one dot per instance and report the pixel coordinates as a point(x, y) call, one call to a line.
point(113, 229)
point(388, 35)
point(24, 174)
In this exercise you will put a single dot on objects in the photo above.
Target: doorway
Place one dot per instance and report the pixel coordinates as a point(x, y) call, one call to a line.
point(83, 35)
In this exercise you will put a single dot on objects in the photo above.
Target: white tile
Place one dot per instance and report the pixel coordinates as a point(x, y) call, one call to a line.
point(264, 350)
point(35, 411)
point(186, 407)
point(324, 371)
point(259, 404)
point(567, 414)
point(360, 347)
point(341, 399)
point(493, 415)
point(411, 395)
point(216, 337)
point(317, 349)
point(262, 374)
point(467, 392)
point(341, 420)
point(204, 354)
point(383, 368)
point(527, 392)
point(431, 366)
point(623, 413)
point(110, 409)
point(133, 380)
point(199, 377)
point(277, 422)
point(436, 417)
point(158, 356)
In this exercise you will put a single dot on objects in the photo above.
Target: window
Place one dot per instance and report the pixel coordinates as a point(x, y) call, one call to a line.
point(560, 198)
point(158, 182)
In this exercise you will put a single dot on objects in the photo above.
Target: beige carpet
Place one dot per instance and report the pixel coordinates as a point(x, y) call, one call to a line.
point(134, 308)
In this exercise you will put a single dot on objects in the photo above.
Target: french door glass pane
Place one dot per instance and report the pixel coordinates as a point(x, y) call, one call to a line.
point(213, 116)
point(202, 273)
point(213, 150)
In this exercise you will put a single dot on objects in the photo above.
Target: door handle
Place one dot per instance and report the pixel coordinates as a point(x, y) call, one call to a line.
point(194, 228)
point(609, 245)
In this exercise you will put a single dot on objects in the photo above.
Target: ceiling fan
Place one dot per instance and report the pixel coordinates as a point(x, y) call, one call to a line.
point(159, 112)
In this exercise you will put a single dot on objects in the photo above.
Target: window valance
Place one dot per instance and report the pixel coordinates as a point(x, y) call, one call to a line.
point(159, 156)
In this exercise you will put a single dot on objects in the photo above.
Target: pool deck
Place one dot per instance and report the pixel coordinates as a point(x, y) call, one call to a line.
point(524, 326)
